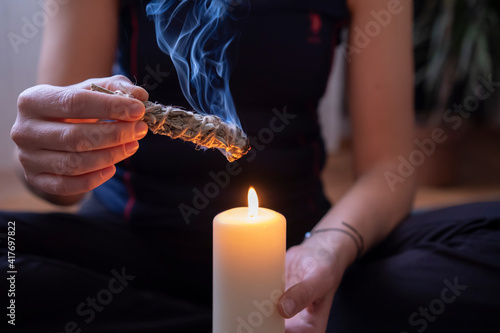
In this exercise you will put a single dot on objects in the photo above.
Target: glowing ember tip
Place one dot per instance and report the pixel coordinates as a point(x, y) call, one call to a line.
point(253, 203)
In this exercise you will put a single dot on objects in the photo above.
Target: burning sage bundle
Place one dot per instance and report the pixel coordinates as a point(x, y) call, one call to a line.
point(207, 131)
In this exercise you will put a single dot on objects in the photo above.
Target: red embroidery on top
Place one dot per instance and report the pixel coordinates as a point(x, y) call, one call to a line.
point(316, 24)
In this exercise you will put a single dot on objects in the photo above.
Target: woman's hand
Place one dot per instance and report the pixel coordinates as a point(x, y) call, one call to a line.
point(69, 138)
point(314, 270)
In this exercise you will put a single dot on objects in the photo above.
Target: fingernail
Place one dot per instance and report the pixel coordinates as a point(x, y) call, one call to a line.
point(136, 110)
point(108, 172)
point(131, 147)
point(288, 306)
point(141, 129)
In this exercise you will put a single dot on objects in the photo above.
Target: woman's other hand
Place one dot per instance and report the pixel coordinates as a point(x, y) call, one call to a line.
point(314, 270)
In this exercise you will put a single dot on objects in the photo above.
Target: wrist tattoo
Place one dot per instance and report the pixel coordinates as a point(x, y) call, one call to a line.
point(350, 231)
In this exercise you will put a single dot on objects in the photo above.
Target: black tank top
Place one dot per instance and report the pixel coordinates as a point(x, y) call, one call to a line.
point(285, 52)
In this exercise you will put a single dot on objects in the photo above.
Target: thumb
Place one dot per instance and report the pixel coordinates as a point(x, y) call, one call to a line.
point(122, 83)
point(300, 296)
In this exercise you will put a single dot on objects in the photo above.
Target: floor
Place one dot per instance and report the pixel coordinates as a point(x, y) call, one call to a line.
point(478, 178)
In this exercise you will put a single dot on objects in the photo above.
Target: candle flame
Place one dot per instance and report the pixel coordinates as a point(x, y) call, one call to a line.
point(253, 202)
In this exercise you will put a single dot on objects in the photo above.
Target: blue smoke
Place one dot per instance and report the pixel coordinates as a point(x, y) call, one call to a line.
point(197, 35)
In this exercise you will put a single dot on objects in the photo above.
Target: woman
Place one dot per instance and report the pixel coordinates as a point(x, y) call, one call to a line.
point(144, 235)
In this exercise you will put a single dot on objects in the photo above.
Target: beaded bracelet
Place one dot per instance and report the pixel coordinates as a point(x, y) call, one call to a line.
point(352, 232)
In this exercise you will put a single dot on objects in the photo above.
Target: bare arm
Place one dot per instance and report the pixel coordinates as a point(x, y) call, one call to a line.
point(78, 44)
point(59, 163)
point(380, 88)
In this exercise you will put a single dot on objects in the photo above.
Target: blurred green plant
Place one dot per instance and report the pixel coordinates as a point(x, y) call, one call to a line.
point(456, 41)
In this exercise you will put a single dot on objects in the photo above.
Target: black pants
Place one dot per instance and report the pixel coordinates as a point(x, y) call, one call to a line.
point(94, 273)
point(437, 272)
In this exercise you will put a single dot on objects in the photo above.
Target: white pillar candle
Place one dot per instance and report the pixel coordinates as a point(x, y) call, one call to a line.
point(249, 245)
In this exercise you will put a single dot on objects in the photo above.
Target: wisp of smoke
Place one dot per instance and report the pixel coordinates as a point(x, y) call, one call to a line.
point(197, 34)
